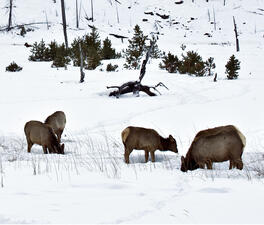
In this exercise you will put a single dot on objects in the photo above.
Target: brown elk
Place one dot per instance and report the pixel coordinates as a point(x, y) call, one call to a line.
point(149, 140)
point(217, 144)
point(57, 121)
point(42, 134)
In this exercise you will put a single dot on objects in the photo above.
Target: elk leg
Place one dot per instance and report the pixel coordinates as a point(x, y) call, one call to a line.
point(126, 155)
point(152, 153)
point(146, 156)
point(59, 135)
point(231, 164)
point(29, 145)
point(201, 165)
point(239, 164)
point(209, 165)
point(45, 149)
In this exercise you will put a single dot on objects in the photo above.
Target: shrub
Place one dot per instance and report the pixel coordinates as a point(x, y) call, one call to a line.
point(192, 64)
point(13, 67)
point(135, 49)
point(111, 68)
point(232, 67)
point(170, 63)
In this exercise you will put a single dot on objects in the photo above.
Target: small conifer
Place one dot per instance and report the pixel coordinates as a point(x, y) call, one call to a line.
point(135, 50)
point(232, 67)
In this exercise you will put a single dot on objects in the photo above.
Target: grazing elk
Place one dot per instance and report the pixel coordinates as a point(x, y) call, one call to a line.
point(146, 139)
point(42, 134)
point(57, 121)
point(217, 144)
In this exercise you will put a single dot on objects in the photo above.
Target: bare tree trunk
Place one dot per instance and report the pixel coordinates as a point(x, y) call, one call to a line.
point(64, 23)
point(77, 16)
point(92, 10)
point(215, 77)
point(81, 66)
point(47, 20)
point(224, 2)
point(214, 21)
point(117, 16)
point(236, 34)
point(10, 15)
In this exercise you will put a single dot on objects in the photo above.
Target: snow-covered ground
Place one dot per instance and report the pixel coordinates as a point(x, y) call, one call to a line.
point(91, 183)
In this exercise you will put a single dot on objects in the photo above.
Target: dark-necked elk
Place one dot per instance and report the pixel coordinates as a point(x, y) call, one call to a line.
point(57, 121)
point(217, 144)
point(149, 140)
point(42, 134)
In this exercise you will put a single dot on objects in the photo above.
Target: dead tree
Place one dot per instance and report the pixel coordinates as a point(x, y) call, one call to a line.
point(92, 11)
point(10, 15)
point(135, 86)
point(236, 35)
point(77, 16)
point(64, 23)
point(81, 65)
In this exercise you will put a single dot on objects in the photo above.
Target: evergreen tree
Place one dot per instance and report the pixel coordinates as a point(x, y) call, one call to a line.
point(39, 52)
point(61, 58)
point(192, 64)
point(232, 67)
point(155, 52)
point(91, 49)
point(107, 51)
point(170, 62)
point(135, 49)
point(210, 65)
point(75, 52)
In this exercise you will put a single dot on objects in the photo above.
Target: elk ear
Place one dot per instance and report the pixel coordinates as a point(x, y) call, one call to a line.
point(171, 138)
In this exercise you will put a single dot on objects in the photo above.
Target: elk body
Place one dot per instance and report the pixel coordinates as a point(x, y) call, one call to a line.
point(57, 121)
point(217, 144)
point(42, 134)
point(149, 140)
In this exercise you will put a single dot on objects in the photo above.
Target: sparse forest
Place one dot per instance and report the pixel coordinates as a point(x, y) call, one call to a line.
point(124, 111)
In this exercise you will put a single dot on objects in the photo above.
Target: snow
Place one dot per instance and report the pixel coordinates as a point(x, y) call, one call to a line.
point(91, 183)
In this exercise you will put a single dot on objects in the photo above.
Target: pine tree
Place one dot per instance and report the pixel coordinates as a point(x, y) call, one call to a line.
point(39, 52)
point(93, 49)
point(210, 65)
point(135, 49)
point(192, 64)
point(61, 58)
point(170, 63)
point(155, 52)
point(107, 51)
point(232, 67)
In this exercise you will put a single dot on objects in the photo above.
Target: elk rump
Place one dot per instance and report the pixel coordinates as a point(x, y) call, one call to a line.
point(149, 140)
point(57, 121)
point(42, 134)
point(217, 144)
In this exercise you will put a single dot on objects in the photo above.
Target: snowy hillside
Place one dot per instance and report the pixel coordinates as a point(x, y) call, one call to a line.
point(91, 183)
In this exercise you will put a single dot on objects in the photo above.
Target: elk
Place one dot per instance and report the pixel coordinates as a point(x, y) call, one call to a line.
point(57, 121)
point(217, 144)
point(149, 140)
point(42, 134)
